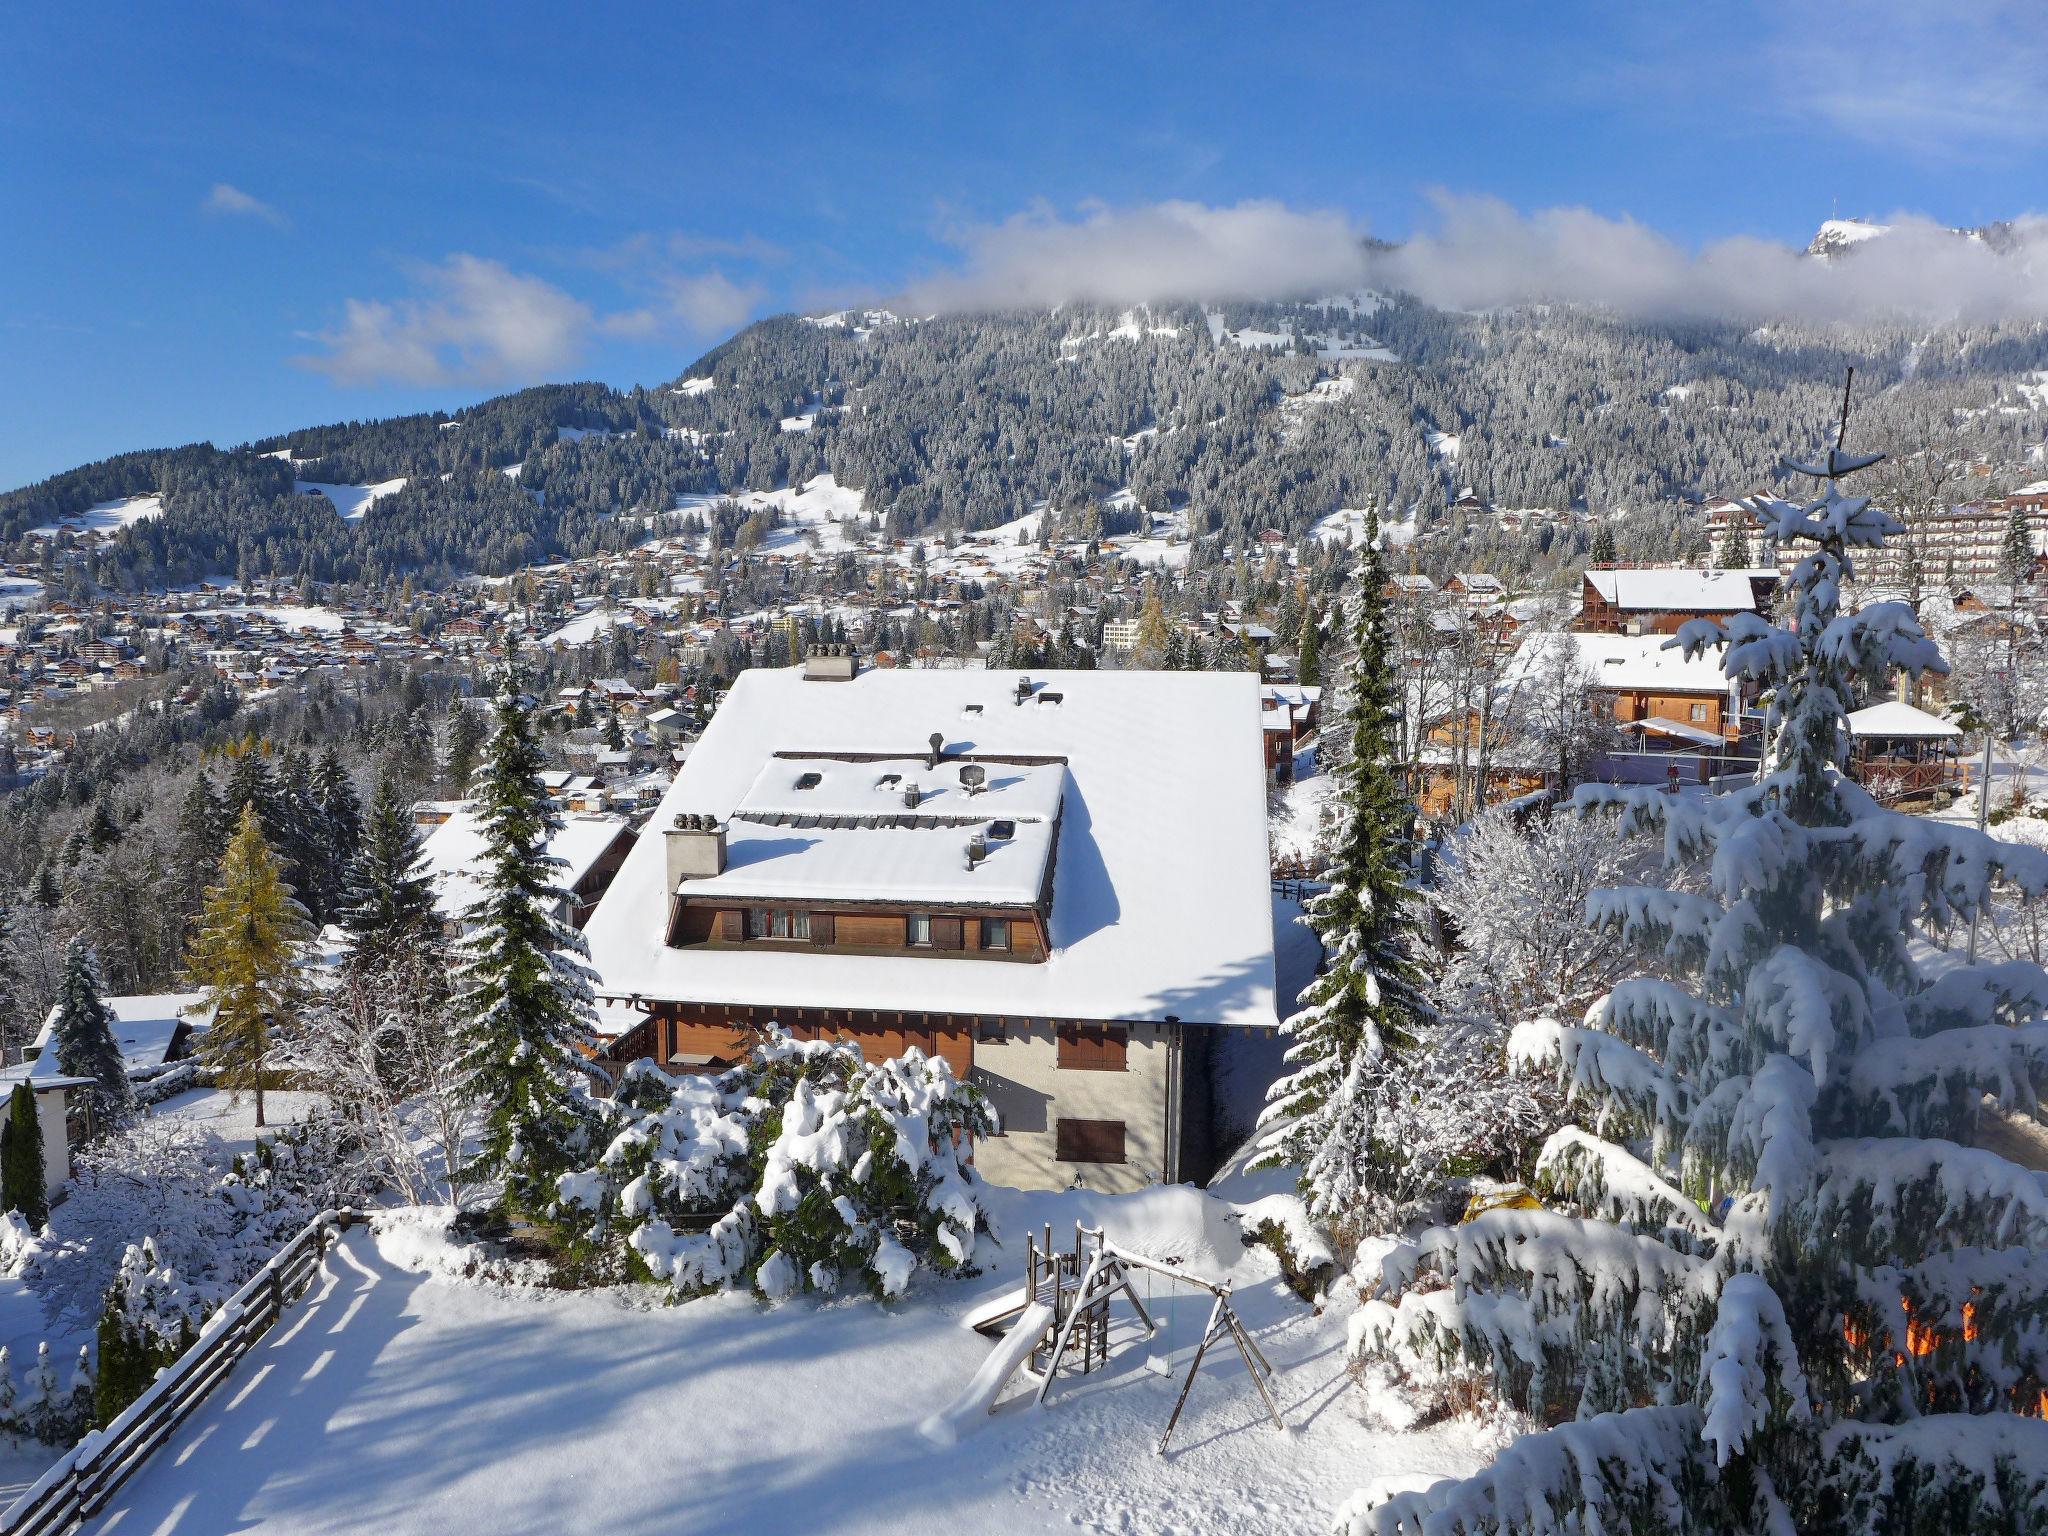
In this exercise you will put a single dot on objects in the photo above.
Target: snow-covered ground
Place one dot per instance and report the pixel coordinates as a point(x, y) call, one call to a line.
point(353, 502)
point(106, 517)
point(397, 1399)
point(1303, 803)
point(232, 1116)
point(290, 615)
point(822, 505)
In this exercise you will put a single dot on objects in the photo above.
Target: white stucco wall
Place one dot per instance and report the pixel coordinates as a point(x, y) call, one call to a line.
point(1031, 1094)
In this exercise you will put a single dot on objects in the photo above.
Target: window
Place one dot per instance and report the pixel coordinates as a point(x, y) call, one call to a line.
point(1092, 1047)
point(995, 933)
point(757, 922)
point(1699, 714)
point(799, 924)
point(776, 923)
point(920, 926)
point(1090, 1141)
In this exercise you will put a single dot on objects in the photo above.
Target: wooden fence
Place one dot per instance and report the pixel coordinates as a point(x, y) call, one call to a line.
point(82, 1481)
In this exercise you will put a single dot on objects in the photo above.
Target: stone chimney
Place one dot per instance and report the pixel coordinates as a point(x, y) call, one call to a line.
point(830, 664)
point(696, 849)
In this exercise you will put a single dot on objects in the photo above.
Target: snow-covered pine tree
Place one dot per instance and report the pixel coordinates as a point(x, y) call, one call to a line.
point(83, 1038)
point(391, 898)
point(1328, 1114)
point(1780, 1287)
point(23, 1186)
point(524, 993)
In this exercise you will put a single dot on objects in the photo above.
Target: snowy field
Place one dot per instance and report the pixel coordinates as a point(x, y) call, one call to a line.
point(290, 615)
point(353, 502)
point(822, 505)
point(106, 517)
point(399, 1400)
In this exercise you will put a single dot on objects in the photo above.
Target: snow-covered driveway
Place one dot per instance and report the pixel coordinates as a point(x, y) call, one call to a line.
point(396, 1402)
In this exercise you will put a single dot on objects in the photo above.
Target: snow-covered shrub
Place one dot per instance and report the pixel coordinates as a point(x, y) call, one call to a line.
point(43, 1406)
point(806, 1168)
point(215, 1218)
point(1776, 1245)
point(150, 1318)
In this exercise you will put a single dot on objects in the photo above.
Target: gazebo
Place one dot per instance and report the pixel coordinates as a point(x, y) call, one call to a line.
point(1899, 753)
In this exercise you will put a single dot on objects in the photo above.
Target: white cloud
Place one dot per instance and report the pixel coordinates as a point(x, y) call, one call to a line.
point(232, 200)
point(689, 305)
point(1484, 253)
point(1478, 253)
point(474, 321)
point(1171, 250)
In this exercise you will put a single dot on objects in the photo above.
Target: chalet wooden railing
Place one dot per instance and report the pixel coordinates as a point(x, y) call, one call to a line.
point(87, 1475)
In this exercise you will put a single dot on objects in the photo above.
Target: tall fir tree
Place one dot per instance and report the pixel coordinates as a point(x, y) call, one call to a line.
point(22, 1186)
point(1786, 1280)
point(1329, 1113)
point(465, 740)
point(82, 1036)
point(391, 904)
point(246, 955)
point(1308, 653)
point(525, 995)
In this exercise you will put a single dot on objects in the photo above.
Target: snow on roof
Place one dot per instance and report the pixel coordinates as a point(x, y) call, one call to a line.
point(1678, 730)
point(144, 1026)
point(1680, 590)
point(1895, 719)
point(453, 853)
point(1160, 898)
point(858, 838)
point(1639, 663)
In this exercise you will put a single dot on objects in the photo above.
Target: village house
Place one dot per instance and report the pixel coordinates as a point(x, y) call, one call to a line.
point(590, 847)
point(1656, 600)
point(1056, 882)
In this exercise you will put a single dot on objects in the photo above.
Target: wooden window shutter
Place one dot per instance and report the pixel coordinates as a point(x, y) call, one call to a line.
point(821, 928)
point(947, 933)
point(1090, 1141)
point(1093, 1048)
point(732, 925)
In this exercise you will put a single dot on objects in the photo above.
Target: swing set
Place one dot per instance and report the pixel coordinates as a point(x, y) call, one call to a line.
point(1063, 1310)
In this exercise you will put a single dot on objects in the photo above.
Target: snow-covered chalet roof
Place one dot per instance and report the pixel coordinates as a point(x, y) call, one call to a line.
point(452, 854)
point(1160, 882)
point(1636, 663)
point(1681, 591)
point(1895, 719)
point(144, 1027)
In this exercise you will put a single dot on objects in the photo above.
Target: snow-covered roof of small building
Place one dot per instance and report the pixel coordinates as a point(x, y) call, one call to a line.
point(1160, 884)
point(1679, 591)
point(145, 1027)
point(452, 854)
point(1893, 719)
point(1637, 663)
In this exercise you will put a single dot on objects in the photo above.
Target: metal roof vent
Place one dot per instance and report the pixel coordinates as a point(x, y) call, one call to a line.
point(913, 796)
point(809, 780)
point(973, 778)
point(1023, 689)
point(938, 746)
point(977, 850)
point(1002, 831)
point(888, 781)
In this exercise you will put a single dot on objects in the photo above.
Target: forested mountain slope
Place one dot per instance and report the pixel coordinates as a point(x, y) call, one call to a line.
point(1244, 416)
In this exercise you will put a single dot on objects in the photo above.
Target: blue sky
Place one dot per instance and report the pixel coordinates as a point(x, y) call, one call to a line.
point(219, 221)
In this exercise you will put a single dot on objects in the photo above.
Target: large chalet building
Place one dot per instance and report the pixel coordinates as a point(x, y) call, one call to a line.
point(1057, 882)
point(1645, 600)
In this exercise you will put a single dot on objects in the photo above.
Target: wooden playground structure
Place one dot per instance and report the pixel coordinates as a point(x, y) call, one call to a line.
point(1059, 1319)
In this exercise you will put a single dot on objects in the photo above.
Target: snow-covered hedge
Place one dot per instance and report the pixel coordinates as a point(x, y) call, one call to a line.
point(806, 1168)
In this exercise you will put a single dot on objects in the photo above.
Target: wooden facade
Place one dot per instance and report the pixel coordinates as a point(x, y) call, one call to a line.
point(995, 934)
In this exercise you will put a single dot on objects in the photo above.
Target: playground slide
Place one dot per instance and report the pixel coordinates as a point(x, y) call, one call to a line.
point(992, 1317)
point(978, 1398)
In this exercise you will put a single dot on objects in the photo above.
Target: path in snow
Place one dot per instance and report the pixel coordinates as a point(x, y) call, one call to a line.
point(395, 1402)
